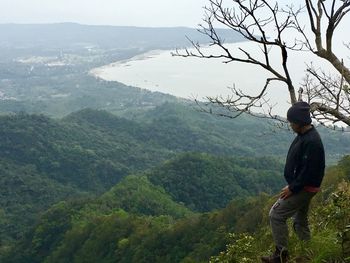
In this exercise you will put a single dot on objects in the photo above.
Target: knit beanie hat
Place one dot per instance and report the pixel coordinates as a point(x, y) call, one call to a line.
point(299, 113)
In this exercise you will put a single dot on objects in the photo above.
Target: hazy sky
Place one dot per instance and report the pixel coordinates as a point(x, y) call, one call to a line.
point(159, 13)
point(106, 12)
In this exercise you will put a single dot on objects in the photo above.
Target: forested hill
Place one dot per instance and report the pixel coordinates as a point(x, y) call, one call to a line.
point(203, 182)
point(149, 229)
point(73, 150)
point(46, 160)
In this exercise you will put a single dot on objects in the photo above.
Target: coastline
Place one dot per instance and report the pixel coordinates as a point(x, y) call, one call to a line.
point(194, 78)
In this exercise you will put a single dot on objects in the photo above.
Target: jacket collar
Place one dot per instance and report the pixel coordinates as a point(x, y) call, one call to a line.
point(307, 131)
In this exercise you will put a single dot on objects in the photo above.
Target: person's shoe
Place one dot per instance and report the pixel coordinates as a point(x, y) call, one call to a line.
point(280, 256)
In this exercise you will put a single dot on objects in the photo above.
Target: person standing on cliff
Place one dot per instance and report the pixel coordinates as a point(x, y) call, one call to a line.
point(304, 171)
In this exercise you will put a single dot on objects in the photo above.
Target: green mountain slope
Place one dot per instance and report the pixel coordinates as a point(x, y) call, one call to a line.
point(45, 161)
point(126, 207)
point(124, 237)
point(24, 194)
point(203, 182)
point(246, 135)
point(90, 151)
point(137, 195)
point(65, 153)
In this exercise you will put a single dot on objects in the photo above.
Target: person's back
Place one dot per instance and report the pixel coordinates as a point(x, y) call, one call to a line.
point(305, 159)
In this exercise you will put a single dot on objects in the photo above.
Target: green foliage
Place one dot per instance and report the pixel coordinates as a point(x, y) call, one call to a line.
point(245, 136)
point(136, 195)
point(204, 182)
point(65, 153)
point(118, 236)
point(242, 249)
point(45, 160)
point(323, 247)
point(75, 232)
point(46, 236)
point(329, 222)
point(345, 166)
point(88, 151)
point(336, 214)
point(24, 194)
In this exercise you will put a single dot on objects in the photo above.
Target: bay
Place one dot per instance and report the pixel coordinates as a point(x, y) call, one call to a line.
point(198, 78)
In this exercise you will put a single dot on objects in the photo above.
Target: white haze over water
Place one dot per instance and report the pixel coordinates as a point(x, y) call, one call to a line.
point(198, 78)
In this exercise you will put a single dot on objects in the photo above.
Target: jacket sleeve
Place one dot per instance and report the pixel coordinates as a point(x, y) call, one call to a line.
point(311, 160)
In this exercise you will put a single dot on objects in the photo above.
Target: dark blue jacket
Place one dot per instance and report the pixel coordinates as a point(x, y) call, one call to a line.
point(305, 162)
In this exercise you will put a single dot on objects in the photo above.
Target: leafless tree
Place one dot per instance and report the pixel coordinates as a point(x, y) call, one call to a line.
point(269, 26)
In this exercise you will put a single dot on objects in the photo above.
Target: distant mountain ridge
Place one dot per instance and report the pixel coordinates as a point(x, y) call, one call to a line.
point(64, 35)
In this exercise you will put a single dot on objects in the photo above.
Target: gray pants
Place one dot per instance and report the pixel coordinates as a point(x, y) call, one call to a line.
point(296, 206)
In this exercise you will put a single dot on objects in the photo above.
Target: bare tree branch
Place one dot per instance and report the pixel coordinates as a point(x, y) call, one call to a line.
point(265, 24)
point(334, 19)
